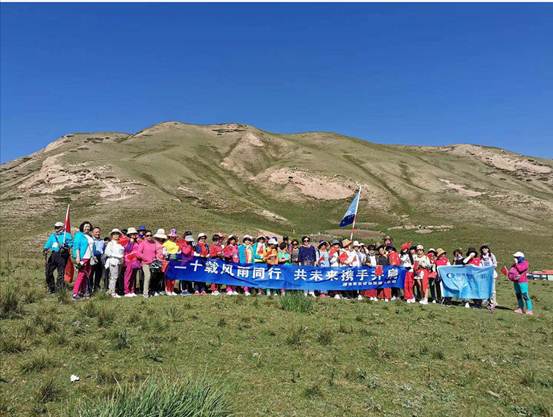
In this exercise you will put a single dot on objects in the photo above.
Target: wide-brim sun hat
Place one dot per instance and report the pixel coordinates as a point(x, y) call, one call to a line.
point(247, 237)
point(440, 251)
point(200, 235)
point(346, 243)
point(420, 247)
point(189, 238)
point(58, 224)
point(272, 241)
point(114, 231)
point(518, 254)
point(431, 250)
point(173, 233)
point(160, 234)
point(260, 237)
point(406, 245)
point(356, 243)
point(132, 231)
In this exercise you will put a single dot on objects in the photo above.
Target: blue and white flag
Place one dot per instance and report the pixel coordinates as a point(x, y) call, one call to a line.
point(466, 282)
point(349, 217)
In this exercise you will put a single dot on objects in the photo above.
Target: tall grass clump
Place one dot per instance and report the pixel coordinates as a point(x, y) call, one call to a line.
point(159, 398)
point(10, 303)
point(296, 302)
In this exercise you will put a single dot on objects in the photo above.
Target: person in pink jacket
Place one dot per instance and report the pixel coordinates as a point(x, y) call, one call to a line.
point(518, 275)
point(148, 251)
point(132, 264)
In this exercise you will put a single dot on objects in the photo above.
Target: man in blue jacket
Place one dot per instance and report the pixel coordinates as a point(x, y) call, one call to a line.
point(58, 245)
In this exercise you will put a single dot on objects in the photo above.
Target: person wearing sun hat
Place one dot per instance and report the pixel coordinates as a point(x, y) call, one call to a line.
point(171, 250)
point(245, 255)
point(216, 252)
point(115, 254)
point(58, 246)
point(230, 253)
point(421, 266)
point(518, 275)
point(149, 250)
point(132, 264)
point(259, 248)
point(406, 261)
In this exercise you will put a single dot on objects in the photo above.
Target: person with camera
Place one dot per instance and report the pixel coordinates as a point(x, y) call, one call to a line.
point(57, 246)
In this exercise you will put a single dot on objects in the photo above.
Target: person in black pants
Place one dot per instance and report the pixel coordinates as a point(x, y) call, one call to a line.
point(58, 245)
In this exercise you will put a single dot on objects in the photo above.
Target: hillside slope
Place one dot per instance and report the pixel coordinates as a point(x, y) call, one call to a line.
point(237, 177)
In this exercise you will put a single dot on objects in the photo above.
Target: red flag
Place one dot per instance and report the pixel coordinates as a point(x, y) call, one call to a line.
point(69, 267)
point(504, 271)
point(379, 270)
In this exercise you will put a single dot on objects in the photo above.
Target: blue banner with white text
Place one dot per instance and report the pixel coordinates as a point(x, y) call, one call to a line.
point(288, 277)
point(467, 282)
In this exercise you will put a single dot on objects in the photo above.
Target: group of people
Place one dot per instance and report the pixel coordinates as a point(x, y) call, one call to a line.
point(131, 261)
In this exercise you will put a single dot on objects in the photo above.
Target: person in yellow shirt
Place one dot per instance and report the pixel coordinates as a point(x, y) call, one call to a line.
point(270, 256)
point(170, 250)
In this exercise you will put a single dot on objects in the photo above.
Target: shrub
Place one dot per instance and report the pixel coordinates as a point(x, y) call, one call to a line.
point(159, 398)
point(10, 303)
point(48, 391)
point(325, 337)
point(105, 316)
point(36, 363)
point(90, 309)
point(296, 302)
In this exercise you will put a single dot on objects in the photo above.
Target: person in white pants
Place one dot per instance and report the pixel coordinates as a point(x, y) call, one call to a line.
point(114, 254)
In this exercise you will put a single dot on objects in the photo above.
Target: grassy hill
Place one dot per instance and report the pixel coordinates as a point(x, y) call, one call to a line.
point(238, 178)
point(340, 358)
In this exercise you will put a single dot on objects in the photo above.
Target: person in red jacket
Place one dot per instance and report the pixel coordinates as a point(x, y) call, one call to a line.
point(186, 246)
point(433, 287)
point(215, 252)
point(230, 254)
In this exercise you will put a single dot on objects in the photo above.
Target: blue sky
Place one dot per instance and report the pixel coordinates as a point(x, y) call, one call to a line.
point(390, 73)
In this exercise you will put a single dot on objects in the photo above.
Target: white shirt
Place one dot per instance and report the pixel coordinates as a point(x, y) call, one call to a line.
point(114, 253)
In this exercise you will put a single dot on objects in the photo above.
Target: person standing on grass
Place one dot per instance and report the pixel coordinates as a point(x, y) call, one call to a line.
point(216, 252)
point(307, 255)
point(382, 260)
point(186, 246)
point(487, 258)
point(59, 244)
point(83, 253)
point(441, 260)
point(115, 254)
point(132, 264)
point(157, 278)
point(371, 261)
point(245, 255)
point(271, 256)
point(230, 254)
point(97, 272)
point(394, 260)
point(406, 259)
point(472, 259)
point(433, 286)
point(147, 252)
point(171, 250)
point(421, 266)
point(518, 275)
point(201, 250)
point(283, 254)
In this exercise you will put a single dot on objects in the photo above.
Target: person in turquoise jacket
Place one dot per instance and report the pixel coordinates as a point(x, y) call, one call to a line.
point(246, 256)
point(58, 246)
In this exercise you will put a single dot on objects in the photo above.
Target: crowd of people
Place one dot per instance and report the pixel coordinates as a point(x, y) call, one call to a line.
point(131, 261)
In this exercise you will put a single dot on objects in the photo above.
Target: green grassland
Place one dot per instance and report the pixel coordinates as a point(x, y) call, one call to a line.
point(275, 358)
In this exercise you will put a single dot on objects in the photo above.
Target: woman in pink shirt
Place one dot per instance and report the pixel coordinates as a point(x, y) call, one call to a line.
point(230, 254)
point(518, 275)
point(148, 251)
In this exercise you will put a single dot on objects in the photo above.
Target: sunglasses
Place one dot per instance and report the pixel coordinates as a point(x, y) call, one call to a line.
point(148, 235)
point(306, 241)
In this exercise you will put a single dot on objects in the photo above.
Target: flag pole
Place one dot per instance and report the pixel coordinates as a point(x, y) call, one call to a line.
point(355, 217)
point(65, 224)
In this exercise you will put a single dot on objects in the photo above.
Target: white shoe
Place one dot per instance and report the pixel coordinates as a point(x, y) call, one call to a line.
point(424, 301)
point(360, 297)
point(268, 293)
point(394, 298)
point(115, 295)
point(215, 293)
point(129, 295)
point(467, 305)
point(312, 293)
point(146, 296)
point(247, 294)
point(338, 297)
point(386, 300)
point(433, 301)
point(156, 294)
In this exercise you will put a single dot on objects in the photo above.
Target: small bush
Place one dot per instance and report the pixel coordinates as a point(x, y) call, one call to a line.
point(36, 363)
point(296, 302)
point(172, 313)
point(90, 309)
point(294, 339)
point(12, 345)
point(105, 316)
point(47, 324)
point(48, 391)
point(10, 303)
point(122, 339)
point(325, 337)
point(159, 398)
point(32, 295)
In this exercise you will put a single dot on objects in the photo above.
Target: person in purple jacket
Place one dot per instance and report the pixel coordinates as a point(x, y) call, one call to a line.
point(307, 255)
point(518, 274)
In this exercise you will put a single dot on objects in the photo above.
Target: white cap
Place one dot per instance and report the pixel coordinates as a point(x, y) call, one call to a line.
point(355, 243)
point(518, 254)
point(115, 231)
point(272, 241)
point(58, 224)
point(200, 235)
point(189, 238)
point(247, 237)
point(132, 231)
